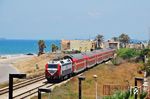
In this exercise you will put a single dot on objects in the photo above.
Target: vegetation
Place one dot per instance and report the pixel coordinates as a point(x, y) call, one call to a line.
point(127, 53)
point(149, 44)
point(99, 39)
point(145, 52)
point(117, 61)
point(147, 67)
point(106, 74)
point(125, 95)
point(119, 95)
point(143, 95)
point(124, 39)
point(54, 48)
point(115, 38)
point(41, 45)
point(145, 56)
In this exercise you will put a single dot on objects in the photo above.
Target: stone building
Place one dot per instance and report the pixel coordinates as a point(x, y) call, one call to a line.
point(65, 45)
point(80, 45)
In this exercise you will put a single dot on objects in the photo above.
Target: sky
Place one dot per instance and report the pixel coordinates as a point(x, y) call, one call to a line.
point(74, 19)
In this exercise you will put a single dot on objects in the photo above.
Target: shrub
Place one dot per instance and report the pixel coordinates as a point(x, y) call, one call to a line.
point(143, 95)
point(116, 61)
point(127, 53)
point(145, 52)
point(147, 67)
point(119, 95)
point(125, 95)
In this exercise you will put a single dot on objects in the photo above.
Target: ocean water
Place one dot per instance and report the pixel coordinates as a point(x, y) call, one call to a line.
point(10, 47)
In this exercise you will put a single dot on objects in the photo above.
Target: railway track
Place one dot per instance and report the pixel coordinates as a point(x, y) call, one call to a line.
point(27, 91)
point(22, 84)
point(29, 87)
point(33, 91)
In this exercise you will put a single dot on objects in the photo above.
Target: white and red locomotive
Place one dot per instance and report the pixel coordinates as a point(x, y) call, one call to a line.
point(75, 63)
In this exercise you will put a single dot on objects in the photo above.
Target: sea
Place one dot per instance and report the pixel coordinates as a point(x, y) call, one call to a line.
point(13, 47)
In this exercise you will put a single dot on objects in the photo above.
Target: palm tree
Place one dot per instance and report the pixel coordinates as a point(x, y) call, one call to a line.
point(41, 45)
point(149, 44)
point(99, 39)
point(54, 48)
point(115, 38)
point(124, 39)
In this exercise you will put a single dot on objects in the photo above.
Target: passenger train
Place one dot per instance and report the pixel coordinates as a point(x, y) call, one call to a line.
point(75, 63)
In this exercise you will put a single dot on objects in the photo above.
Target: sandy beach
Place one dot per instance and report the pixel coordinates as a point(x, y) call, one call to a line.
point(32, 65)
point(14, 58)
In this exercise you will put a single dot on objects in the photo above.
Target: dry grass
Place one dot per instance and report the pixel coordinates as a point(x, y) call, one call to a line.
point(28, 66)
point(107, 74)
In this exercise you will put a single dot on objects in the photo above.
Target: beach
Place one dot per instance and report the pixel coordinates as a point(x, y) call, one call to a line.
point(32, 65)
point(16, 57)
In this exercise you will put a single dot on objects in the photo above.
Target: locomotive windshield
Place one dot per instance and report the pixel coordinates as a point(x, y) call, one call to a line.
point(52, 66)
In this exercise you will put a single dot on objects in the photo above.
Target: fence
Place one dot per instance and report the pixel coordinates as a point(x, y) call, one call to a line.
point(110, 89)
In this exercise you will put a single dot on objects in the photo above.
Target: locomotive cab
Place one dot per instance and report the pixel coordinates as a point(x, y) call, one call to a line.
point(57, 70)
point(52, 70)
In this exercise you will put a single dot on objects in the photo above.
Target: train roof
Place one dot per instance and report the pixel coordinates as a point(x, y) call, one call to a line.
point(89, 53)
point(75, 56)
point(86, 54)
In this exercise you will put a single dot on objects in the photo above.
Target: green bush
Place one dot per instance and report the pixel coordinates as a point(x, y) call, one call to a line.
point(119, 95)
point(145, 52)
point(143, 95)
point(125, 95)
point(147, 67)
point(127, 53)
point(116, 61)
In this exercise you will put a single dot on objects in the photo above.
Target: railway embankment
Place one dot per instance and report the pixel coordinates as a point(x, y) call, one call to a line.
point(122, 74)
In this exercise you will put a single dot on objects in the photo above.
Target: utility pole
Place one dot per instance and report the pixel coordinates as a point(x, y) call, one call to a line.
point(11, 76)
point(80, 85)
point(95, 78)
point(46, 90)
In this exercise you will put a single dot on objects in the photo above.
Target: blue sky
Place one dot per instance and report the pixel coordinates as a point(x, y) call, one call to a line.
point(74, 19)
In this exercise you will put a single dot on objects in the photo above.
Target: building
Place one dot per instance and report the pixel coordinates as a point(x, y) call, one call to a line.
point(111, 44)
point(80, 45)
point(65, 45)
point(135, 45)
point(114, 44)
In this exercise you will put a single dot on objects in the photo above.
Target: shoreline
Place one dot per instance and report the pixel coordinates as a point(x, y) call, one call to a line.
point(14, 56)
point(25, 64)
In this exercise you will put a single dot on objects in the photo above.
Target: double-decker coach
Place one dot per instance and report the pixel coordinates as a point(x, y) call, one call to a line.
point(91, 59)
point(78, 62)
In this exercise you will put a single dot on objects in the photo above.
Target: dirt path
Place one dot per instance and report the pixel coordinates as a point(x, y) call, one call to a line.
point(5, 70)
point(6, 67)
